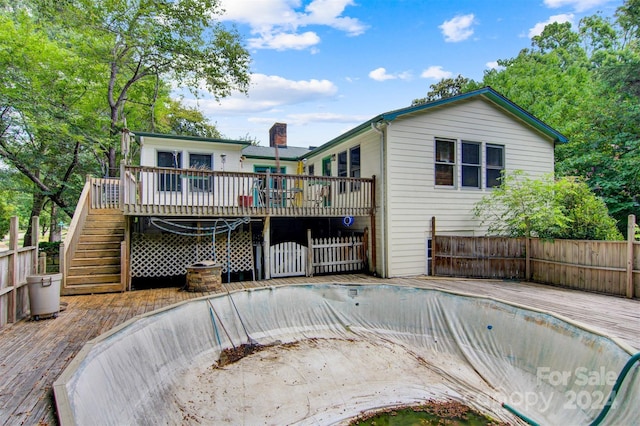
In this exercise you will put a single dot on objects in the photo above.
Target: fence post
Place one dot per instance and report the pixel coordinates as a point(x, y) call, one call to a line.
point(309, 271)
point(631, 229)
point(527, 262)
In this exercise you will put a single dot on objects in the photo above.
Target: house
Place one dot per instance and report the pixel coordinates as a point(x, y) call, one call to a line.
point(191, 198)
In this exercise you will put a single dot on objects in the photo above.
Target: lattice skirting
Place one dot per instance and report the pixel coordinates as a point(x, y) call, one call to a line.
point(164, 255)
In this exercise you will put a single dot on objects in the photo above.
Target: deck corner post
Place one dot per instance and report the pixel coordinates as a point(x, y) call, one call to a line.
point(631, 229)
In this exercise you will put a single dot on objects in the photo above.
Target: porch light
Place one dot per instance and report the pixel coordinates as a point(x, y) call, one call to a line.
point(223, 159)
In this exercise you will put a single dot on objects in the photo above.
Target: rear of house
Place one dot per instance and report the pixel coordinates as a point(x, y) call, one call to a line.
point(382, 181)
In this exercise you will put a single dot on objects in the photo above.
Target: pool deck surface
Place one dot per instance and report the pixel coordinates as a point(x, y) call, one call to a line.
point(34, 353)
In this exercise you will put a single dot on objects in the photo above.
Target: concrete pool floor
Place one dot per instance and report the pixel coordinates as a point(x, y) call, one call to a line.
point(33, 354)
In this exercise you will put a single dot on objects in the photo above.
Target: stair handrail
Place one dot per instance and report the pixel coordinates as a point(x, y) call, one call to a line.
point(74, 231)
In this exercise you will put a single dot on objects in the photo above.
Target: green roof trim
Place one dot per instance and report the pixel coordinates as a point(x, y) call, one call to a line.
point(486, 92)
point(190, 138)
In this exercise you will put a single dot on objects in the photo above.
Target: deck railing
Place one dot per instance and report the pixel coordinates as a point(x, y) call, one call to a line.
point(173, 192)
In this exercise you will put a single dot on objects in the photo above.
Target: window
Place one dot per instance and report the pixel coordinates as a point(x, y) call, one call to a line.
point(202, 182)
point(342, 171)
point(354, 161)
point(495, 165)
point(312, 169)
point(445, 161)
point(470, 164)
point(170, 181)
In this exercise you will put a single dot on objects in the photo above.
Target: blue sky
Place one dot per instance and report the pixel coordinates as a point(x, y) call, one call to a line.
point(325, 66)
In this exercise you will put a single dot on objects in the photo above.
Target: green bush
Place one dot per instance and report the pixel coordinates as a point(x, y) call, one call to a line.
point(546, 208)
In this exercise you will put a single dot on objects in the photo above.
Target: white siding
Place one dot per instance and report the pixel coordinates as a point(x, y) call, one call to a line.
point(412, 195)
point(369, 166)
point(151, 146)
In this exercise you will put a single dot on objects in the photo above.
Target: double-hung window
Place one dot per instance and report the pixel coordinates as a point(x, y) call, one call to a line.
point(170, 181)
point(342, 171)
point(354, 162)
point(445, 162)
point(495, 165)
point(470, 165)
point(202, 181)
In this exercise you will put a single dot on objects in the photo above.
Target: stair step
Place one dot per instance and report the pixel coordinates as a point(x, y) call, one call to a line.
point(100, 238)
point(93, 279)
point(95, 261)
point(106, 245)
point(82, 253)
point(103, 231)
point(117, 220)
point(94, 270)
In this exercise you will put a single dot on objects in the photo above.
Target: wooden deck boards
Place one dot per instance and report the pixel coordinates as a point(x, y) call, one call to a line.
point(33, 354)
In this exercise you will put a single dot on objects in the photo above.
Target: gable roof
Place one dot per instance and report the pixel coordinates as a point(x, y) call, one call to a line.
point(485, 92)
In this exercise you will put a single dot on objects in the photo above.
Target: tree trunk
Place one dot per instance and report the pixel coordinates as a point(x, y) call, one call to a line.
point(55, 231)
point(36, 209)
point(113, 166)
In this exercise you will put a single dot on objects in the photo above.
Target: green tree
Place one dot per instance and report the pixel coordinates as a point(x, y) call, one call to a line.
point(545, 208)
point(6, 212)
point(41, 96)
point(585, 84)
point(181, 120)
point(137, 41)
point(445, 88)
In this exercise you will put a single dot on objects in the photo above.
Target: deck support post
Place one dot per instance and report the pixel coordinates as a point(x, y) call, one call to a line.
point(266, 236)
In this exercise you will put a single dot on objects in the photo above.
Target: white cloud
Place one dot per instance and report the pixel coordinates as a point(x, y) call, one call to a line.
point(493, 65)
point(458, 28)
point(276, 23)
point(578, 5)
point(284, 41)
point(380, 74)
point(537, 28)
point(436, 72)
point(266, 93)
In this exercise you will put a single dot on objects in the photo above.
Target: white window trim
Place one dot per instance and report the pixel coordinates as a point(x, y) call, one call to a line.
point(457, 164)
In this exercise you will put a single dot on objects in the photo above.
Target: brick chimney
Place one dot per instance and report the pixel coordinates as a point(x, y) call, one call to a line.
point(278, 135)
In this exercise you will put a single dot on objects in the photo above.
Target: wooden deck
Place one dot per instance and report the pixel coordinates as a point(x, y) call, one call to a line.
point(33, 354)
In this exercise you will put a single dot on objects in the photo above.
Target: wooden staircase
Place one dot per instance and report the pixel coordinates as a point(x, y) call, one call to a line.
point(95, 264)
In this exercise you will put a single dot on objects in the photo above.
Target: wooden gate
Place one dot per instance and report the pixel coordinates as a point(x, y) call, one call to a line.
point(338, 254)
point(288, 259)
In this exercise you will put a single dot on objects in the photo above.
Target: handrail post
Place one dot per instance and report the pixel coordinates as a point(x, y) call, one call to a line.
point(12, 311)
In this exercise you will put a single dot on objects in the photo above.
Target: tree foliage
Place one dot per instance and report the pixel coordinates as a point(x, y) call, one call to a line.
point(143, 42)
point(445, 88)
point(75, 72)
point(545, 208)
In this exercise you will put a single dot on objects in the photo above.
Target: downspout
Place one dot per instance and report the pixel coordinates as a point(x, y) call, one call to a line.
point(383, 201)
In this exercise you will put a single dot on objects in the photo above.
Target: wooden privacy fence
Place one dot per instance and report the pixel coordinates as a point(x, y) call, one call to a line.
point(16, 264)
point(611, 267)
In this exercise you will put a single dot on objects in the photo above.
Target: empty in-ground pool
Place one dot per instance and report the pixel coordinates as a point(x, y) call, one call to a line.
point(328, 353)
